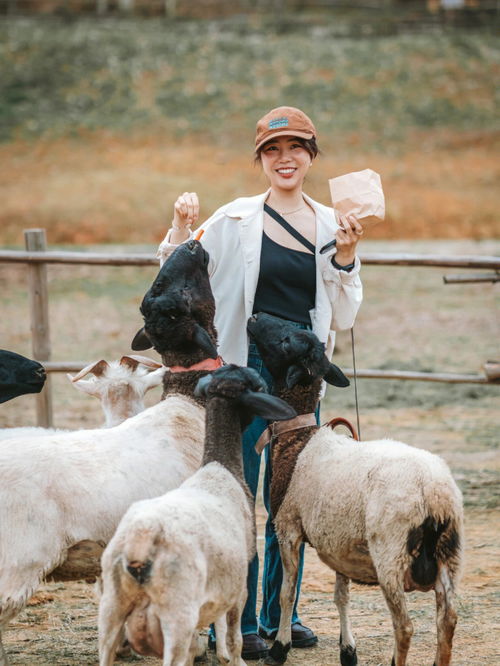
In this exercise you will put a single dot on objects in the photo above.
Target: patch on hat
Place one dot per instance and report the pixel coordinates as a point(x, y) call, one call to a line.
point(278, 122)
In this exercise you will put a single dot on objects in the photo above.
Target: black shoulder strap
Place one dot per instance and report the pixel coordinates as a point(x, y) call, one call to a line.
point(293, 232)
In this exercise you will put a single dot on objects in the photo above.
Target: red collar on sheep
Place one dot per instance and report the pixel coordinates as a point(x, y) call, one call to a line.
point(208, 364)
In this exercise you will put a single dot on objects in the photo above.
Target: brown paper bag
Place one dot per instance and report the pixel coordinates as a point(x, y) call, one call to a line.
point(359, 193)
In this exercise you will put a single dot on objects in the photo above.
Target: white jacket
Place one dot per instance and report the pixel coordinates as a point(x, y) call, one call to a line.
point(233, 237)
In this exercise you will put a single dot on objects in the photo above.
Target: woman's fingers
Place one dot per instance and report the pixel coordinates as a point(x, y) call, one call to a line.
point(347, 236)
point(186, 209)
point(192, 206)
point(350, 225)
point(355, 224)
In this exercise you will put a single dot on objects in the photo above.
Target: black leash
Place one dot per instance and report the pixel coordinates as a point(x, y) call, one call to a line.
point(355, 382)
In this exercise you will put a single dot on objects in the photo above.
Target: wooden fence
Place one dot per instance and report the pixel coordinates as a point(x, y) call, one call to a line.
point(37, 257)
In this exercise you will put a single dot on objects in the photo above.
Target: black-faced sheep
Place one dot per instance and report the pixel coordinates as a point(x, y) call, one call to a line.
point(19, 375)
point(62, 496)
point(179, 562)
point(377, 512)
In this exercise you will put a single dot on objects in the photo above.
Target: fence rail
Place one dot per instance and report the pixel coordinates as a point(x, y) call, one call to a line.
point(368, 259)
point(38, 257)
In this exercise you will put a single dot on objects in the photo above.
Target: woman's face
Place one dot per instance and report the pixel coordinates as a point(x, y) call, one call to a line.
point(285, 162)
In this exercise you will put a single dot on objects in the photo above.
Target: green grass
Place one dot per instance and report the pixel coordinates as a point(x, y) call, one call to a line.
point(215, 78)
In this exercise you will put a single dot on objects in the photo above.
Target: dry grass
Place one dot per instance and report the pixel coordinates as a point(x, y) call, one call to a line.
point(102, 187)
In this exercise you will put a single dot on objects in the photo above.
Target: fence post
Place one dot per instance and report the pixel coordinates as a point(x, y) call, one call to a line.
point(171, 9)
point(35, 241)
point(101, 7)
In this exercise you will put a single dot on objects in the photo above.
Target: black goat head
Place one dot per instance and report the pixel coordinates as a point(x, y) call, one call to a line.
point(179, 309)
point(19, 375)
point(292, 355)
point(245, 389)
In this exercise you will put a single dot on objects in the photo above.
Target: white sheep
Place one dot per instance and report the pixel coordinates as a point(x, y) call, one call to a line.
point(119, 385)
point(377, 512)
point(179, 562)
point(63, 495)
point(62, 491)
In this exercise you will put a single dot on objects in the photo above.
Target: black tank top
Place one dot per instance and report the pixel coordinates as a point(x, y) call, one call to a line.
point(287, 282)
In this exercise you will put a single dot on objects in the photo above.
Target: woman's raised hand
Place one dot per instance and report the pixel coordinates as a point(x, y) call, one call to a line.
point(186, 210)
point(347, 237)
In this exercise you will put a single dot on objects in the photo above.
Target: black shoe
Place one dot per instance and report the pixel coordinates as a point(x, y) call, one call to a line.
point(253, 647)
point(302, 637)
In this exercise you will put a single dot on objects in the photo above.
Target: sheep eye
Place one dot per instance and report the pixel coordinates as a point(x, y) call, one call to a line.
point(172, 316)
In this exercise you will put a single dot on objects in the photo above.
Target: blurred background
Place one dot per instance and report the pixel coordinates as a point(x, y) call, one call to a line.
point(111, 108)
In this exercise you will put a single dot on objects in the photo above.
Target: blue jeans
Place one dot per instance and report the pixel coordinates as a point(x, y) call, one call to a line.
point(272, 575)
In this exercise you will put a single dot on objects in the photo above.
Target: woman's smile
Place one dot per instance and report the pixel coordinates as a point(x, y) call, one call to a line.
point(286, 172)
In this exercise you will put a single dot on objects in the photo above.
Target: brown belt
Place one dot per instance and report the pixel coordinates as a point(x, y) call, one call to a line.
point(302, 421)
point(278, 427)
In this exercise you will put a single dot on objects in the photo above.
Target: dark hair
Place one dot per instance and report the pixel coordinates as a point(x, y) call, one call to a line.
point(309, 144)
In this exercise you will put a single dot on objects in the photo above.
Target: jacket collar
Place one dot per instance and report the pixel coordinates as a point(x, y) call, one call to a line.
point(249, 206)
point(246, 206)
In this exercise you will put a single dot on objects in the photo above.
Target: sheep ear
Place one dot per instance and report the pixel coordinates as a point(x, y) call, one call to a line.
point(144, 360)
point(267, 406)
point(130, 362)
point(202, 339)
point(335, 376)
point(293, 375)
point(87, 386)
point(201, 387)
point(141, 341)
point(154, 378)
point(96, 367)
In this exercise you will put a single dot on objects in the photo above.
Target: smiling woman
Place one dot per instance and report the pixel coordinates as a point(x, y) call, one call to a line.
point(265, 257)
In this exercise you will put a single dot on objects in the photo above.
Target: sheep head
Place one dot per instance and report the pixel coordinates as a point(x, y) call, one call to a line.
point(19, 375)
point(292, 355)
point(120, 385)
point(179, 309)
point(246, 391)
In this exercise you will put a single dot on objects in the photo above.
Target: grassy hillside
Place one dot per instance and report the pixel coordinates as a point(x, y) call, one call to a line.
point(104, 123)
point(218, 77)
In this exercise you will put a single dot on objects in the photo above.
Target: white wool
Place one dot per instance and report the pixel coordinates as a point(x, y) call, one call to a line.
point(357, 503)
point(64, 488)
point(199, 538)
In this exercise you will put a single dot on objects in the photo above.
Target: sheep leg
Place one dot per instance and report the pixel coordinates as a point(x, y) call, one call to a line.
point(112, 616)
point(446, 617)
point(348, 655)
point(234, 637)
point(221, 639)
point(403, 628)
point(179, 636)
point(289, 551)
